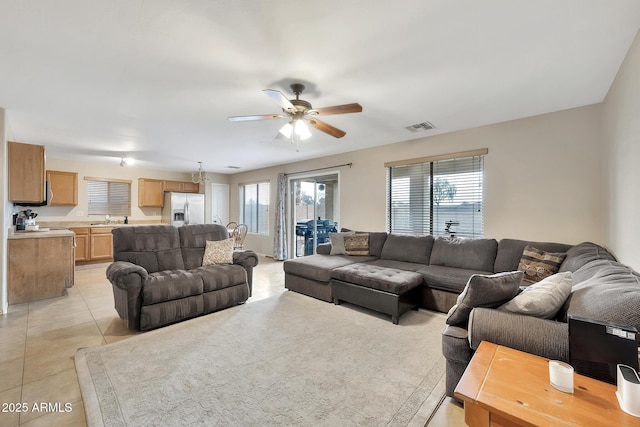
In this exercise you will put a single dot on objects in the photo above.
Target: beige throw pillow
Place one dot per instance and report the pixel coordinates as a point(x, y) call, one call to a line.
point(218, 252)
point(337, 242)
point(542, 299)
point(537, 264)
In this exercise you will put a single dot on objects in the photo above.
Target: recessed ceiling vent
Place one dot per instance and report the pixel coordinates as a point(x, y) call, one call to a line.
point(420, 127)
point(233, 167)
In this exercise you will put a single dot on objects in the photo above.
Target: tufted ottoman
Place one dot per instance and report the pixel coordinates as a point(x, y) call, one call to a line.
point(387, 290)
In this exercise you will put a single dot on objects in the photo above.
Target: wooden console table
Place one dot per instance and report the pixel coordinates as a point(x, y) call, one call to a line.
point(506, 387)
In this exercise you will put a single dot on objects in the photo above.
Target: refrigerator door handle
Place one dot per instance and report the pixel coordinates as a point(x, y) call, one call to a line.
point(186, 213)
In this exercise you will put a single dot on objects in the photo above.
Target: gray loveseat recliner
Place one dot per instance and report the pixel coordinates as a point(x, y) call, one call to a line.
point(158, 277)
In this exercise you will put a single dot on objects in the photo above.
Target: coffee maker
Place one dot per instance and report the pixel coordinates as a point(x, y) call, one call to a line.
point(25, 220)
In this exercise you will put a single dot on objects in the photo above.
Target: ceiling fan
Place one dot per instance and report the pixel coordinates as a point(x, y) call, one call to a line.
point(300, 112)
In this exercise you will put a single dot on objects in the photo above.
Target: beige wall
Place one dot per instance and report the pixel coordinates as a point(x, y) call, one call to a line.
point(621, 140)
point(107, 170)
point(543, 178)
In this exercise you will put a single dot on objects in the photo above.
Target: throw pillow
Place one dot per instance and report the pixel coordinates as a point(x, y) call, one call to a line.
point(356, 244)
point(537, 264)
point(337, 242)
point(218, 252)
point(489, 291)
point(542, 299)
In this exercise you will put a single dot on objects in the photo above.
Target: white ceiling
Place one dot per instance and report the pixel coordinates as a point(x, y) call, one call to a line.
point(93, 80)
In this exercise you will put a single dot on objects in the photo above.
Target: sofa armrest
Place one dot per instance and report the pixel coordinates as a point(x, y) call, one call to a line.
point(127, 280)
point(117, 271)
point(247, 259)
point(542, 337)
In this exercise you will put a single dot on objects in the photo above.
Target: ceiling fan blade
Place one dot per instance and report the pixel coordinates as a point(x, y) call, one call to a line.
point(280, 99)
point(257, 117)
point(338, 109)
point(327, 128)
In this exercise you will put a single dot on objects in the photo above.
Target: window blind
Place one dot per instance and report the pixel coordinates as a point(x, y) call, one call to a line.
point(441, 198)
point(255, 207)
point(109, 197)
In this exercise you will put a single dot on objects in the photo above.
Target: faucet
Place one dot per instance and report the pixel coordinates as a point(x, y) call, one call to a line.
point(107, 219)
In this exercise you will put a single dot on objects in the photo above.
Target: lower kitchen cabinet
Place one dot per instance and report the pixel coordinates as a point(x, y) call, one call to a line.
point(101, 244)
point(93, 244)
point(39, 268)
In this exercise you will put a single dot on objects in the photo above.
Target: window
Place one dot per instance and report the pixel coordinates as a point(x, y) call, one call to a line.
point(254, 207)
point(108, 197)
point(441, 196)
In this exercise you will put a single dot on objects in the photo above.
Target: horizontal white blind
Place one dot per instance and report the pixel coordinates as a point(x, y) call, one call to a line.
point(109, 198)
point(442, 198)
point(255, 207)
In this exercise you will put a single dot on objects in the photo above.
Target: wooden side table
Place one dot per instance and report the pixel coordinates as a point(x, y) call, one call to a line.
point(506, 387)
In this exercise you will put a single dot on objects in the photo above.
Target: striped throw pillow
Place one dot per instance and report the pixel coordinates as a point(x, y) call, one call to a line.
point(356, 244)
point(537, 264)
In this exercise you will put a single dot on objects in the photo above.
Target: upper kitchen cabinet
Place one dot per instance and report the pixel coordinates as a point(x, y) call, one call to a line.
point(181, 186)
point(26, 173)
point(150, 193)
point(64, 188)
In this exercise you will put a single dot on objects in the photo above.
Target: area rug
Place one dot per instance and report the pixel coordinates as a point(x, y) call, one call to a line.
point(286, 360)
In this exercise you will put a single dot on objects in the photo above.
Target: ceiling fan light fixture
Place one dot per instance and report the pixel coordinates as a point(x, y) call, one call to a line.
point(302, 130)
point(287, 130)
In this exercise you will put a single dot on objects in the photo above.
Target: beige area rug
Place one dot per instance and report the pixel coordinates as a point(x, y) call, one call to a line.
point(285, 360)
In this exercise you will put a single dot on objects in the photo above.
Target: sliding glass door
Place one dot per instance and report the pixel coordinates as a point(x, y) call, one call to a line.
point(314, 211)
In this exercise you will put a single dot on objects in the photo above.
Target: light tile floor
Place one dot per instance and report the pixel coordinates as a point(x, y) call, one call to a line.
point(39, 339)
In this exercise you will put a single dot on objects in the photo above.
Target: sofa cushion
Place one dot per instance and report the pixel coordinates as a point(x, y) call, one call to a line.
point(510, 252)
point(153, 247)
point(538, 264)
point(337, 242)
point(471, 254)
point(448, 278)
point(218, 252)
point(542, 299)
point(484, 291)
point(318, 267)
point(400, 265)
point(390, 280)
point(168, 285)
point(579, 255)
point(605, 291)
point(356, 244)
point(416, 249)
point(193, 239)
point(216, 277)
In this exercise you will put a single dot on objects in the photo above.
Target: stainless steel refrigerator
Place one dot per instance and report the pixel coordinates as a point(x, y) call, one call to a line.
point(183, 208)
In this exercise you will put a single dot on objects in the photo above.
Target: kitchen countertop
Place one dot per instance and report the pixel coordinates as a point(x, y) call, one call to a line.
point(39, 234)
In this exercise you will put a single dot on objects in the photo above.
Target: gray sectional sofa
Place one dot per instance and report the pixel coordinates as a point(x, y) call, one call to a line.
point(603, 289)
point(158, 277)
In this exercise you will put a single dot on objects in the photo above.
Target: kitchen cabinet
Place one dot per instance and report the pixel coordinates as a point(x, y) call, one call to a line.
point(150, 193)
point(101, 244)
point(82, 244)
point(39, 267)
point(26, 171)
point(182, 186)
point(93, 244)
point(64, 188)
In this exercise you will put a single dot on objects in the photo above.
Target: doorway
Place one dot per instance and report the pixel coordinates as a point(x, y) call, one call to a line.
point(219, 204)
point(314, 203)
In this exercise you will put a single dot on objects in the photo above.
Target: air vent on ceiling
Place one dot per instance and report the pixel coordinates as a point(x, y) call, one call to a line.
point(420, 127)
point(233, 167)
